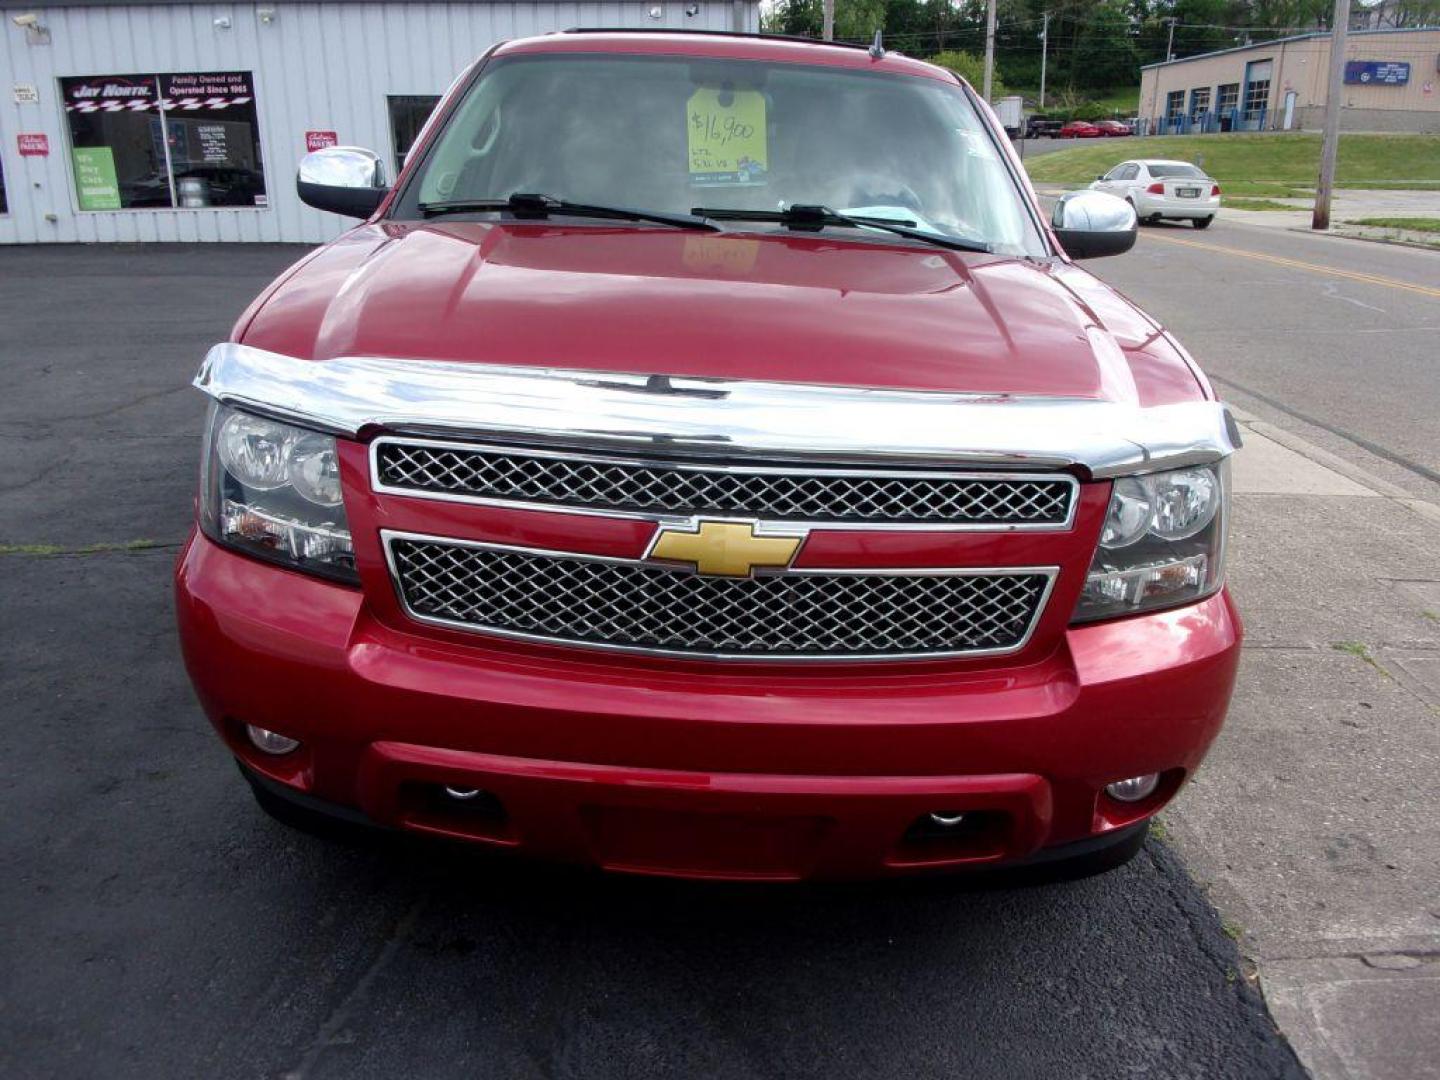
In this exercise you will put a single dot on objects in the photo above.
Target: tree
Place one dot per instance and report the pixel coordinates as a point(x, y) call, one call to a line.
point(1408, 13)
point(855, 20)
point(971, 68)
point(797, 18)
point(1105, 55)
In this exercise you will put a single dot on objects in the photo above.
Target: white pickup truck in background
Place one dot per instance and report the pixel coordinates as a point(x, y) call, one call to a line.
point(1011, 112)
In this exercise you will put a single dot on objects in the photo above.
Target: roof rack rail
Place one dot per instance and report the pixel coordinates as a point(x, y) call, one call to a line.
point(715, 33)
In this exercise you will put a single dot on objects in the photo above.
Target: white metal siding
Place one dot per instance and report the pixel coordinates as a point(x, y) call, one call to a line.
point(317, 66)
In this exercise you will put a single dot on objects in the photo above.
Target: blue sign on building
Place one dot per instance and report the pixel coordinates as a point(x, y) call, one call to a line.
point(1377, 72)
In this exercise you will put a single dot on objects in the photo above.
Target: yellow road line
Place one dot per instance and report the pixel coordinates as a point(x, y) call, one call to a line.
point(1295, 264)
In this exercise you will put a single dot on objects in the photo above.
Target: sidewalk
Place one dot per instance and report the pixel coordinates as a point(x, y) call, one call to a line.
point(1313, 824)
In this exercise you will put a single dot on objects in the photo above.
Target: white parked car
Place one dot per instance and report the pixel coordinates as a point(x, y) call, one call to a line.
point(1164, 189)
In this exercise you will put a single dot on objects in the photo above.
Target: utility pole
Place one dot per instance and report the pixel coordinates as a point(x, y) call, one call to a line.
point(1170, 40)
point(989, 48)
point(829, 20)
point(1044, 51)
point(1330, 145)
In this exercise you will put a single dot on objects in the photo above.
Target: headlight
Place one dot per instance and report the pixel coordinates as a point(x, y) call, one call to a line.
point(273, 490)
point(1163, 543)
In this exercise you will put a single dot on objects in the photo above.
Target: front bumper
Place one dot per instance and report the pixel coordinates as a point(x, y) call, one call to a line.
point(701, 769)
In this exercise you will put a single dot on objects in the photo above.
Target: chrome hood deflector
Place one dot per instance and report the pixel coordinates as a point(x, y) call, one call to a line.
point(718, 417)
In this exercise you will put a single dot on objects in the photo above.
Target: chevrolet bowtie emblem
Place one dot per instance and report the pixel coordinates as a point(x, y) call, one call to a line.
point(724, 548)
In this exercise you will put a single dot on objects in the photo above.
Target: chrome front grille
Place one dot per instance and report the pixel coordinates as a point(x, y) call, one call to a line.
point(778, 493)
point(639, 606)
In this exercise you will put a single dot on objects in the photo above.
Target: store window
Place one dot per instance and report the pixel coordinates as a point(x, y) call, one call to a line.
point(162, 141)
point(408, 114)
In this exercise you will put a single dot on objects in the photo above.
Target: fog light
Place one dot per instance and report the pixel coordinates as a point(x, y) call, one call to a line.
point(463, 794)
point(269, 741)
point(946, 819)
point(1133, 789)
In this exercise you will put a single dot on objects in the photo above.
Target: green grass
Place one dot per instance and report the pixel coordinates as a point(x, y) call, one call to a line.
point(1267, 189)
point(1249, 164)
point(83, 549)
point(1391, 185)
point(1124, 101)
point(1360, 651)
point(1259, 204)
point(1415, 224)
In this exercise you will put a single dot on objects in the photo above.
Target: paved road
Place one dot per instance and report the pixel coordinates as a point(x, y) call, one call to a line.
point(154, 923)
point(1332, 338)
point(1038, 147)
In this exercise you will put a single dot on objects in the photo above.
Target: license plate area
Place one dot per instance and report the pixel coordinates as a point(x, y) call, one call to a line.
point(639, 840)
point(1188, 192)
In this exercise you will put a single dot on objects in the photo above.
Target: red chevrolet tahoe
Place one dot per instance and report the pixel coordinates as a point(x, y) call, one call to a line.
point(706, 459)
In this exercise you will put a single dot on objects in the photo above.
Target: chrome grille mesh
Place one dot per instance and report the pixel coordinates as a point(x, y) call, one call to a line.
point(633, 605)
point(788, 494)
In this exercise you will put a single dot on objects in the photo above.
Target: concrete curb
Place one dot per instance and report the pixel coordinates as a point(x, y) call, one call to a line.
point(1322, 457)
point(1414, 245)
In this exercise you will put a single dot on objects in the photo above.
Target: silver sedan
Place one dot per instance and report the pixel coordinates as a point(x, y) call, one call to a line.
point(1164, 189)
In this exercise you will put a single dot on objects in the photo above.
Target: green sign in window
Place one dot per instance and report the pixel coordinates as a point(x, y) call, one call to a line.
point(95, 181)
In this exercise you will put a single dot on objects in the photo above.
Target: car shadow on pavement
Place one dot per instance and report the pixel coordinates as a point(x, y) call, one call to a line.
point(571, 972)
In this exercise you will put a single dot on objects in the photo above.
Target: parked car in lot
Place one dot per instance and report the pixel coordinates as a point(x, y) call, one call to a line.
point(1113, 128)
point(669, 477)
point(1079, 129)
point(1037, 127)
point(1160, 189)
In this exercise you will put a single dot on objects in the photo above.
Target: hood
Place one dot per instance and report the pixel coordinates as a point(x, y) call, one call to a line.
point(802, 308)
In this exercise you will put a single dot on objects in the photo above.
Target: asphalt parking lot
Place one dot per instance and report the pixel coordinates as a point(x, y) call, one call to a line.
point(156, 923)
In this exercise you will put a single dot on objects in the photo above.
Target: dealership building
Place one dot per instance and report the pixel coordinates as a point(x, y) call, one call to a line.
point(1392, 83)
point(183, 121)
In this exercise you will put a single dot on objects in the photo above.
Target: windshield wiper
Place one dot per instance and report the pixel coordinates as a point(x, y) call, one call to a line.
point(813, 218)
point(527, 205)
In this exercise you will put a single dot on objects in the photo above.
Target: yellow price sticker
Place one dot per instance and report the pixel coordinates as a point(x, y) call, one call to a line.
point(727, 137)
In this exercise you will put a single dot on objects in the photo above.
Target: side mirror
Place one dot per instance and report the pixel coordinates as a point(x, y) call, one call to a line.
point(1100, 177)
point(1090, 224)
point(342, 179)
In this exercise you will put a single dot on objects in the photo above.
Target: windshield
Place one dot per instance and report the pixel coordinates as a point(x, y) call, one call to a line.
point(1185, 172)
point(672, 134)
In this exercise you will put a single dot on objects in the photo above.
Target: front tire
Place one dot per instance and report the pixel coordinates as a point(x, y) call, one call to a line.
point(288, 813)
point(1201, 222)
point(294, 813)
point(1101, 862)
point(1052, 867)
